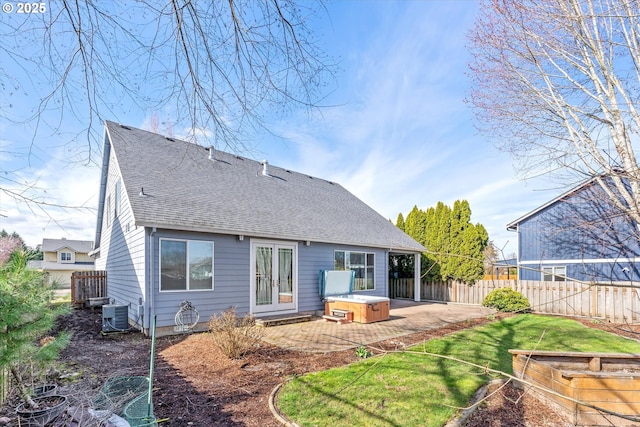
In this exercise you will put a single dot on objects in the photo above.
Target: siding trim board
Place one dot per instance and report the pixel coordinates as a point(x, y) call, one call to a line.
point(581, 261)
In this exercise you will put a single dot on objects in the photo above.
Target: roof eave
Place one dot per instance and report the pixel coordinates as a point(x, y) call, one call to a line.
point(267, 235)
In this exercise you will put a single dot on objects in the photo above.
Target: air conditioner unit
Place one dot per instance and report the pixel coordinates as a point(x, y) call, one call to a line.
point(115, 318)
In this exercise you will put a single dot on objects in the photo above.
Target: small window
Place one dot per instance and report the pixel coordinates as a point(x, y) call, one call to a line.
point(554, 274)
point(186, 265)
point(107, 211)
point(362, 263)
point(65, 256)
point(116, 200)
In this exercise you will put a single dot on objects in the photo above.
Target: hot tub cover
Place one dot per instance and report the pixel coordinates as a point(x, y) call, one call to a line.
point(336, 282)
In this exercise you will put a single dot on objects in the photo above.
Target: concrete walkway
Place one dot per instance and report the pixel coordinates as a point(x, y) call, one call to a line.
point(406, 317)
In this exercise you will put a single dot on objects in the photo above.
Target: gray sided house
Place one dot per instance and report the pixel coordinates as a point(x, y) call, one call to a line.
point(182, 222)
point(579, 235)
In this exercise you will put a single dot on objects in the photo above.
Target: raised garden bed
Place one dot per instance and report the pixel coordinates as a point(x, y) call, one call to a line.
point(604, 383)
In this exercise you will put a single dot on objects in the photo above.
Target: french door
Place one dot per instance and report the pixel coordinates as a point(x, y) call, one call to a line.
point(273, 277)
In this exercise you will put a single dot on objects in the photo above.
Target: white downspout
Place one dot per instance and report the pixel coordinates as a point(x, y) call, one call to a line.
point(416, 277)
point(151, 290)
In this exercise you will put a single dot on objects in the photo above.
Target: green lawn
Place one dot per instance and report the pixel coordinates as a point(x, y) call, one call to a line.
point(413, 389)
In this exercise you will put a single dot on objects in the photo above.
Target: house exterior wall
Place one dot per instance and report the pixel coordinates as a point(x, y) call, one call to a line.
point(230, 279)
point(320, 256)
point(130, 255)
point(231, 276)
point(122, 251)
point(83, 258)
point(50, 257)
point(583, 233)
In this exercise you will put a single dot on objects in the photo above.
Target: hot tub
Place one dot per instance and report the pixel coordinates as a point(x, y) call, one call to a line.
point(365, 308)
point(335, 288)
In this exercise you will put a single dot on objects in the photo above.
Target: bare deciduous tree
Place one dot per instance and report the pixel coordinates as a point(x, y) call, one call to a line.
point(219, 69)
point(558, 83)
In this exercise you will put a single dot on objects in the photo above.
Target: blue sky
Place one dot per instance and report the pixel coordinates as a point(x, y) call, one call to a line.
point(400, 134)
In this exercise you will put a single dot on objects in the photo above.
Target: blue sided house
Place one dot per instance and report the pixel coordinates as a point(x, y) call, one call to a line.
point(181, 222)
point(579, 235)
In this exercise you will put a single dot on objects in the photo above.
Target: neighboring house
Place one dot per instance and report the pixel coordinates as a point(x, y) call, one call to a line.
point(579, 235)
point(178, 221)
point(61, 257)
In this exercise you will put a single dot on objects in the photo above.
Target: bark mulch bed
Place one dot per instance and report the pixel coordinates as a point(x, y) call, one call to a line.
point(195, 385)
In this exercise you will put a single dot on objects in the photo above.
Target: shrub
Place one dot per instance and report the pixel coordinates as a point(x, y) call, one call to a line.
point(507, 300)
point(235, 336)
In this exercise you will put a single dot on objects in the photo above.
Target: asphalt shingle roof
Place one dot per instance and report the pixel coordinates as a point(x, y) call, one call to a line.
point(53, 245)
point(184, 190)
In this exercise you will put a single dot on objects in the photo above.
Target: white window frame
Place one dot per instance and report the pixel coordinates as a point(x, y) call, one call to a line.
point(188, 266)
point(558, 273)
point(347, 259)
point(63, 257)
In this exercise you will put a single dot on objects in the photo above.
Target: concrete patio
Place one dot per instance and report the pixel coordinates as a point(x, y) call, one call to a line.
point(406, 317)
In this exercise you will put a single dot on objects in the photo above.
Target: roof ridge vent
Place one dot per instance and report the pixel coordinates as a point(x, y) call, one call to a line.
point(265, 168)
point(211, 156)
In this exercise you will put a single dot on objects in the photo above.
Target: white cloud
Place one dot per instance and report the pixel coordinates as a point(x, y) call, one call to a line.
point(402, 135)
point(63, 203)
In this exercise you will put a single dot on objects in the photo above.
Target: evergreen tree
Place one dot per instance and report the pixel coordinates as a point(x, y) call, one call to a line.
point(400, 221)
point(414, 225)
point(26, 316)
point(455, 245)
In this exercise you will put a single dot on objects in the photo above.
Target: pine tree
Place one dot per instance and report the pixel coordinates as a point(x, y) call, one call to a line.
point(26, 316)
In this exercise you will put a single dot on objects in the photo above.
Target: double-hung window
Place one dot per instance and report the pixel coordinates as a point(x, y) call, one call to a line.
point(360, 262)
point(186, 265)
point(554, 274)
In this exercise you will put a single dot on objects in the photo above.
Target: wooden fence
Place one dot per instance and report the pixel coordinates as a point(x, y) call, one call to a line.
point(617, 303)
point(88, 284)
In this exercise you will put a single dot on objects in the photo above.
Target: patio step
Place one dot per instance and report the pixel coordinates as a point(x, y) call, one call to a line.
point(283, 320)
point(340, 316)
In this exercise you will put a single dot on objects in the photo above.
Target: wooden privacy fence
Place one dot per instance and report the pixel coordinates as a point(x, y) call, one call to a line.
point(88, 284)
point(617, 303)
